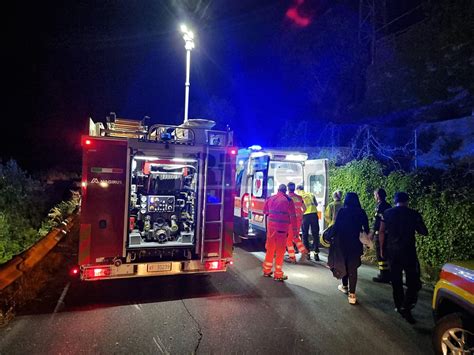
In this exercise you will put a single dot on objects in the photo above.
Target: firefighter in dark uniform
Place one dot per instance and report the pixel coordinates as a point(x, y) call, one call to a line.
point(384, 271)
point(397, 241)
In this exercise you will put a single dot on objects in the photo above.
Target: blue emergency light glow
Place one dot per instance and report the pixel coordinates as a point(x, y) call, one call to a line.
point(165, 136)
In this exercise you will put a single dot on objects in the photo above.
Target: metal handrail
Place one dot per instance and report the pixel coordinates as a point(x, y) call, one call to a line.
point(204, 199)
point(221, 231)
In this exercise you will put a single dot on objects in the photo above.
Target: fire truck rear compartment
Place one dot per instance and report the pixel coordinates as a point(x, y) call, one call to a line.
point(156, 201)
point(162, 208)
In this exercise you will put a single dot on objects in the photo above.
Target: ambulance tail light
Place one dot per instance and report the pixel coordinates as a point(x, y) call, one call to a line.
point(245, 205)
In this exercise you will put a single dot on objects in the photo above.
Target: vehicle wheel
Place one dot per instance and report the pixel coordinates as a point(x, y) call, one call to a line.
point(454, 334)
point(259, 243)
point(236, 238)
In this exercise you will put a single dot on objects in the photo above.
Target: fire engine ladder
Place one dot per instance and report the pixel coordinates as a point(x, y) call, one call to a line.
point(209, 223)
point(122, 127)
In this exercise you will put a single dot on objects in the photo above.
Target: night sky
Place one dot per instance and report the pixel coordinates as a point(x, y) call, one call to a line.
point(67, 61)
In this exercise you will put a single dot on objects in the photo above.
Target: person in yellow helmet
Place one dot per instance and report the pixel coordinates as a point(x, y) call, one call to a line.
point(333, 208)
point(330, 215)
point(310, 220)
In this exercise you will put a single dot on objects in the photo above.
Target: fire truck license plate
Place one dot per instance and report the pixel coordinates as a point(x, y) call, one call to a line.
point(159, 267)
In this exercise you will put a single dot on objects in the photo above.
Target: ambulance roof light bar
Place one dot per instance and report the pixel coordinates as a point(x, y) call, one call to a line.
point(296, 157)
point(260, 154)
point(255, 147)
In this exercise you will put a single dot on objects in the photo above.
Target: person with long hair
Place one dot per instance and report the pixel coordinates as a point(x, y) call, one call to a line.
point(346, 247)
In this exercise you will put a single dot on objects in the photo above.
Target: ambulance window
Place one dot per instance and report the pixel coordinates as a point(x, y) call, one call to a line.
point(259, 163)
point(238, 181)
point(270, 186)
point(285, 172)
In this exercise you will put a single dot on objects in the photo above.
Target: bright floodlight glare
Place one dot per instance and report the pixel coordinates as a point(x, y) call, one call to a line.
point(145, 157)
point(188, 37)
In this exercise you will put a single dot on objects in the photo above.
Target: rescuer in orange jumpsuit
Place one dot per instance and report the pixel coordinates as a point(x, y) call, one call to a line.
point(280, 212)
point(295, 238)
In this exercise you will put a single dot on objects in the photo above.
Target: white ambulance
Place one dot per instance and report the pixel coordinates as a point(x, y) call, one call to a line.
point(259, 172)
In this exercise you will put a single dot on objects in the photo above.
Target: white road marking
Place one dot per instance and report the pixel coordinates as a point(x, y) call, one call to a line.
point(61, 298)
point(160, 345)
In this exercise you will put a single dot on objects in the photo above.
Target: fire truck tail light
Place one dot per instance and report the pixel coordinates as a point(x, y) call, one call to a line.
point(74, 271)
point(86, 142)
point(97, 272)
point(214, 265)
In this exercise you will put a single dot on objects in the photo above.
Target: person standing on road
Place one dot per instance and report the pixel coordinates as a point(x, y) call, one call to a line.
point(382, 205)
point(295, 238)
point(281, 217)
point(333, 208)
point(310, 220)
point(397, 240)
point(346, 247)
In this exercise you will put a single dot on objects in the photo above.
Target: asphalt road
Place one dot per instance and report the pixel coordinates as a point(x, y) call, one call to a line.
point(238, 312)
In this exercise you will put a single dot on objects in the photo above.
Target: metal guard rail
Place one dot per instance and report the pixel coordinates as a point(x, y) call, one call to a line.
point(21, 264)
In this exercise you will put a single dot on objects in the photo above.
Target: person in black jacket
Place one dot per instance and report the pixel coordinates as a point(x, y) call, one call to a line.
point(346, 248)
point(382, 205)
point(397, 241)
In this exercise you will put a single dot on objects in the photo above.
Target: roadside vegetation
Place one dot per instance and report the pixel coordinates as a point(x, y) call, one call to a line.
point(445, 198)
point(25, 210)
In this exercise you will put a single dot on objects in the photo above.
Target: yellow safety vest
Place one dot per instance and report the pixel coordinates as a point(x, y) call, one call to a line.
point(309, 202)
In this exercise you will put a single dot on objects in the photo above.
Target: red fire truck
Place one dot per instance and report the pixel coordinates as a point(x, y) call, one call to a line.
point(155, 200)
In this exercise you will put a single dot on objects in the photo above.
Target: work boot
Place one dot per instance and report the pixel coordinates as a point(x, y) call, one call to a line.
point(281, 278)
point(406, 313)
point(268, 274)
point(316, 257)
point(380, 279)
point(308, 255)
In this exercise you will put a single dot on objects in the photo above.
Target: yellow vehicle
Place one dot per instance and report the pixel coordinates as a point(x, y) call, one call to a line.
point(453, 309)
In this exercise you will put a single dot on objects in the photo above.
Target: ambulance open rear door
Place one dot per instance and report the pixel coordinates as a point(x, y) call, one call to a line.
point(259, 184)
point(316, 181)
